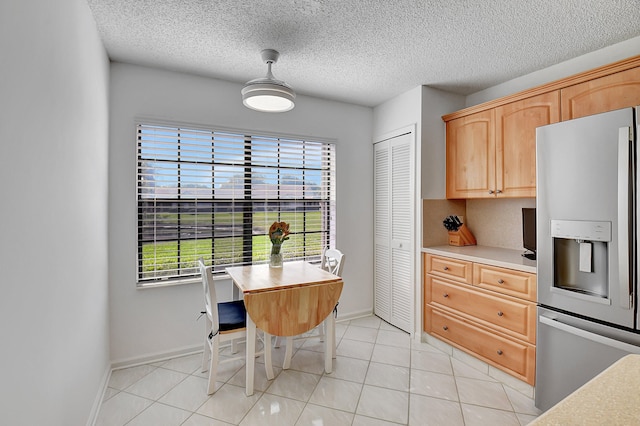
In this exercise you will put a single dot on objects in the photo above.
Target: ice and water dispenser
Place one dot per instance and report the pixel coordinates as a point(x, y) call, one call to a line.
point(580, 257)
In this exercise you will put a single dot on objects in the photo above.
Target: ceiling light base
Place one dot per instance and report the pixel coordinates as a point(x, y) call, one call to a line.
point(270, 56)
point(268, 94)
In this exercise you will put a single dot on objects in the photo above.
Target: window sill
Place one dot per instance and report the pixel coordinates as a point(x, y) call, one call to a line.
point(179, 282)
point(198, 280)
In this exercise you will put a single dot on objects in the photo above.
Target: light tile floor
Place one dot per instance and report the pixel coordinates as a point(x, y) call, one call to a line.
point(380, 377)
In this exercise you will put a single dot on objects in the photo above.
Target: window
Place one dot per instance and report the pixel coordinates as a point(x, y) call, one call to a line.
point(214, 194)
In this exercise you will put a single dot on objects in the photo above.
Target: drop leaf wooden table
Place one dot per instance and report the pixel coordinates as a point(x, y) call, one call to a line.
point(286, 301)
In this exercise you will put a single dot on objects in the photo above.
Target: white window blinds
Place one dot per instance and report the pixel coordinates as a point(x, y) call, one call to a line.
point(214, 194)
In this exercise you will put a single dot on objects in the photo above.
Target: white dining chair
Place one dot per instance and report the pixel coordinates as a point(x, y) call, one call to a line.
point(225, 322)
point(331, 260)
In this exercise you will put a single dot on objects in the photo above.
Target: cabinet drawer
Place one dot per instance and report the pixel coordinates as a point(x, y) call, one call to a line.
point(513, 317)
point(454, 269)
point(514, 357)
point(505, 281)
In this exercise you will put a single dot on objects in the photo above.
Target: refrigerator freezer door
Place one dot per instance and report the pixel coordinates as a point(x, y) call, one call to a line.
point(585, 176)
point(571, 351)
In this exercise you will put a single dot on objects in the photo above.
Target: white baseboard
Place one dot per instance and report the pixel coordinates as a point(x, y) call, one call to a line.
point(353, 315)
point(188, 350)
point(97, 403)
point(155, 357)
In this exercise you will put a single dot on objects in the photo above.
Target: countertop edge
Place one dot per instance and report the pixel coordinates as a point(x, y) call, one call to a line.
point(493, 256)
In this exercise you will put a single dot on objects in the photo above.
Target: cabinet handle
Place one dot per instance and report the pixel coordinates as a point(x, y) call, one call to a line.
point(499, 352)
point(445, 295)
point(500, 313)
point(500, 281)
point(491, 191)
point(445, 328)
point(446, 268)
point(499, 191)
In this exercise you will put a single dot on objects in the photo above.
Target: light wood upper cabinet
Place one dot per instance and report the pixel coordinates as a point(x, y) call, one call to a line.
point(471, 155)
point(516, 142)
point(492, 153)
point(491, 146)
point(608, 93)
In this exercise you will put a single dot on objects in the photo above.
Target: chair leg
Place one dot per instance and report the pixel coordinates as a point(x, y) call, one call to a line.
point(268, 364)
point(213, 366)
point(276, 342)
point(234, 346)
point(207, 349)
point(264, 337)
point(206, 354)
point(288, 352)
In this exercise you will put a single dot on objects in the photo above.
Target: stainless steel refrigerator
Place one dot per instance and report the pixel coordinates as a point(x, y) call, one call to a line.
point(587, 255)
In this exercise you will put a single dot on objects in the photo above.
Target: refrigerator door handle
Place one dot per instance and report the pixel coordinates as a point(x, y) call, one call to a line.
point(607, 341)
point(624, 147)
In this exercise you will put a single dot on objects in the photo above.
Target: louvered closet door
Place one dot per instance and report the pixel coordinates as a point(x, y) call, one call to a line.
point(394, 231)
point(382, 224)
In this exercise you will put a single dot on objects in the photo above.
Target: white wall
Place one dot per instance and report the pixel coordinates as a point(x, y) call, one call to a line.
point(53, 221)
point(435, 104)
point(604, 56)
point(155, 321)
point(398, 112)
point(422, 107)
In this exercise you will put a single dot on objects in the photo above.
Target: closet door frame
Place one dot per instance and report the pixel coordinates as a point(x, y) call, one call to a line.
point(405, 293)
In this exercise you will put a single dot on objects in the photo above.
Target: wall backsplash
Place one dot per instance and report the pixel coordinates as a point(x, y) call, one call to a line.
point(498, 222)
point(433, 213)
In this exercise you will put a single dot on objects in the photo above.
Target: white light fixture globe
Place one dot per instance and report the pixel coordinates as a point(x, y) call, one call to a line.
point(268, 94)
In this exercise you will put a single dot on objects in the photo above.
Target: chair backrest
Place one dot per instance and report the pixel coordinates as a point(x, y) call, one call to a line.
point(332, 260)
point(210, 299)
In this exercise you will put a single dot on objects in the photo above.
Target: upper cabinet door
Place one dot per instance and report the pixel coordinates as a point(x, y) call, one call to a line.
point(615, 91)
point(516, 142)
point(471, 156)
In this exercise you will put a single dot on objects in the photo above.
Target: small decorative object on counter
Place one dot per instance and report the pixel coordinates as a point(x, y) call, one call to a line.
point(278, 234)
point(459, 234)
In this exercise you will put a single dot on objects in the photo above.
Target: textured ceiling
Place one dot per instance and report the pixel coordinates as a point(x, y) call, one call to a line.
point(362, 51)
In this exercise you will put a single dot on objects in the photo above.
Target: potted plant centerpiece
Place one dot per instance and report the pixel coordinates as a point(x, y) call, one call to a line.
point(278, 233)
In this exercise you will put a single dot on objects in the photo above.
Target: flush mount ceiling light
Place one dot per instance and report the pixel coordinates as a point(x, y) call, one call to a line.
point(268, 94)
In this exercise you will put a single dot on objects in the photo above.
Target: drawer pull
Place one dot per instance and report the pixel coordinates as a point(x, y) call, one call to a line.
point(445, 295)
point(446, 268)
point(499, 352)
point(500, 313)
point(500, 281)
point(445, 328)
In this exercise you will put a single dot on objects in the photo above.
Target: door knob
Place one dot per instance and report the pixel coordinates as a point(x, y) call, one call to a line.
point(445, 328)
point(500, 281)
point(500, 313)
point(446, 268)
point(499, 352)
point(445, 295)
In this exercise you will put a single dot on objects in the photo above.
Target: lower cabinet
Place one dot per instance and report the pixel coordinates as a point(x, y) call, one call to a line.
point(480, 318)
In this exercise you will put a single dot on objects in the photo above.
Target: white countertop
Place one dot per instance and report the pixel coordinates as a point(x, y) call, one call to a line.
point(494, 256)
